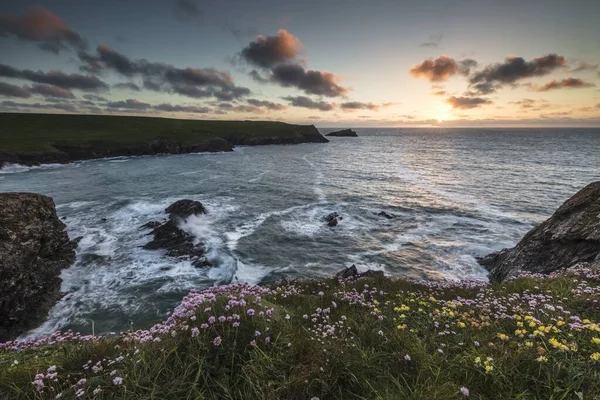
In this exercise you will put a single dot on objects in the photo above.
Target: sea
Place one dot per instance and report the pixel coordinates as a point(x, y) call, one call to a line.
point(454, 194)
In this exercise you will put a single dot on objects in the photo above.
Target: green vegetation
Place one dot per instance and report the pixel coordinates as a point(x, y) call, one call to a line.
point(37, 133)
point(372, 338)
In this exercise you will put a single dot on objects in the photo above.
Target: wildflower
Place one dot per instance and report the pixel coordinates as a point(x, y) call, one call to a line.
point(79, 393)
point(118, 380)
point(595, 356)
point(253, 343)
point(380, 333)
point(407, 357)
point(217, 341)
point(464, 391)
point(235, 324)
point(256, 333)
point(287, 317)
point(50, 369)
point(596, 340)
point(461, 324)
point(502, 336)
point(476, 343)
point(195, 332)
point(440, 351)
point(96, 391)
point(81, 382)
point(250, 312)
point(16, 362)
point(541, 359)
point(58, 396)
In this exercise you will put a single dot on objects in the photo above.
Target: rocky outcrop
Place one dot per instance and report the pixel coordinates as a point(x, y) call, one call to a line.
point(386, 215)
point(343, 133)
point(352, 272)
point(34, 248)
point(569, 237)
point(170, 237)
point(333, 219)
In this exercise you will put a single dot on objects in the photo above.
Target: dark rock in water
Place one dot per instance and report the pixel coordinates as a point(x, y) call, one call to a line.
point(333, 219)
point(170, 237)
point(352, 272)
point(570, 236)
point(386, 215)
point(184, 208)
point(343, 133)
point(34, 248)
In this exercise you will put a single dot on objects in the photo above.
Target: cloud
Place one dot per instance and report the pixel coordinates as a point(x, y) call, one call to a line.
point(311, 82)
point(442, 68)
point(357, 105)
point(440, 93)
point(268, 51)
point(191, 81)
point(93, 97)
point(187, 10)
point(56, 106)
point(52, 91)
point(514, 69)
point(56, 78)
point(433, 41)
point(269, 105)
point(178, 108)
point(584, 66)
point(568, 83)
point(8, 90)
point(129, 104)
point(465, 103)
point(43, 27)
point(127, 86)
point(305, 102)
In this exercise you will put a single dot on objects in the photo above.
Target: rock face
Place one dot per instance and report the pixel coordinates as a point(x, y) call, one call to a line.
point(178, 243)
point(386, 215)
point(343, 133)
point(352, 272)
point(569, 237)
point(34, 248)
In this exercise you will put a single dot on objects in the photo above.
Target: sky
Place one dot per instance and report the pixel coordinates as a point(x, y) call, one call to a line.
point(352, 63)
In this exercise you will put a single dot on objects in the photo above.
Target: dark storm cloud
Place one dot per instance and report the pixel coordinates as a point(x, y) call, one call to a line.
point(43, 27)
point(178, 108)
point(9, 90)
point(433, 41)
point(127, 86)
point(129, 104)
point(357, 105)
point(52, 91)
point(311, 82)
point(56, 78)
point(568, 83)
point(186, 9)
point(305, 102)
point(269, 105)
point(159, 77)
point(442, 68)
point(465, 103)
point(268, 51)
point(517, 68)
point(38, 106)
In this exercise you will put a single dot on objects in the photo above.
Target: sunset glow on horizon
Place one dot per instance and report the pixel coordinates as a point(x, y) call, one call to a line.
point(359, 64)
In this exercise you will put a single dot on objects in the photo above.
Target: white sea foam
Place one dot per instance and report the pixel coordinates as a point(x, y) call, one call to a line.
point(17, 168)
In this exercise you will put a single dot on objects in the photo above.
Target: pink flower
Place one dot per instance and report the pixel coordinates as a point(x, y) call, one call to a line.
point(250, 312)
point(195, 332)
point(407, 357)
point(217, 341)
point(464, 391)
point(118, 380)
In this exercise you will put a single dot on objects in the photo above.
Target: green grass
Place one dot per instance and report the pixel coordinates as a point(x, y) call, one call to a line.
point(36, 133)
point(486, 346)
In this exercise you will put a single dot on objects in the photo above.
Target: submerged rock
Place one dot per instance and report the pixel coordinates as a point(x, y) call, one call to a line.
point(343, 133)
point(386, 215)
point(170, 237)
point(570, 236)
point(34, 248)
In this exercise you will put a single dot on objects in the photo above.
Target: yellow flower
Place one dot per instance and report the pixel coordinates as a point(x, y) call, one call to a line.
point(542, 359)
point(477, 360)
point(560, 323)
point(489, 369)
point(532, 324)
point(529, 343)
point(401, 327)
point(432, 299)
point(520, 324)
point(502, 336)
point(461, 324)
point(558, 345)
point(595, 356)
point(596, 340)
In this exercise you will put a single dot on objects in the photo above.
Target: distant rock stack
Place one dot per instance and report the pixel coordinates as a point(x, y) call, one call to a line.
point(343, 133)
point(571, 236)
point(34, 248)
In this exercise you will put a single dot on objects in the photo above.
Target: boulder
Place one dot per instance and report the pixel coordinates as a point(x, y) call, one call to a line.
point(569, 237)
point(170, 237)
point(343, 133)
point(34, 248)
point(352, 272)
point(333, 219)
point(386, 215)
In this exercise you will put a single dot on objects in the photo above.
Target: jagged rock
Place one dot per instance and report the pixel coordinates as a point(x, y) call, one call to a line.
point(34, 248)
point(333, 219)
point(343, 133)
point(170, 237)
point(352, 272)
point(386, 215)
point(570, 236)
point(184, 208)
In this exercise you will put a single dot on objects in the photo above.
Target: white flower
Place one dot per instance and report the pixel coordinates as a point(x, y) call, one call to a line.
point(118, 380)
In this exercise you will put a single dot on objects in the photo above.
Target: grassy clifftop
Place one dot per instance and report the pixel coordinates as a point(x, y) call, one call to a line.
point(34, 138)
point(373, 338)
